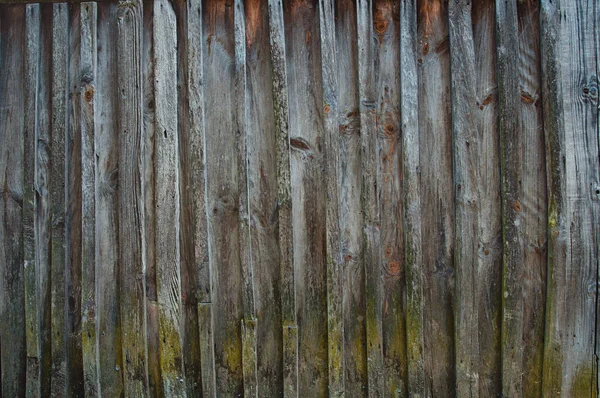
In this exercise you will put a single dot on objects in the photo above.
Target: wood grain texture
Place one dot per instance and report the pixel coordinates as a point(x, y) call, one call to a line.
point(307, 140)
point(106, 153)
point(12, 135)
point(223, 193)
point(31, 70)
point(437, 196)
point(569, 95)
point(370, 201)
point(411, 187)
point(284, 197)
point(130, 198)
point(87, 125)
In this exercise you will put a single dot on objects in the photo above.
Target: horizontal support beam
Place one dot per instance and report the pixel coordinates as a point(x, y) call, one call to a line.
point(50, 1)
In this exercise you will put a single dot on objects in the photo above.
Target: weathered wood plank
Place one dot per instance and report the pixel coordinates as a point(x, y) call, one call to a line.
point(534, 204)
point(12, 135)
point(261, 136)
point(222, 195)
point(477, 193)
point(73, 206)
point(371, 203)
point(411, 188)
point(570, 98)
point(87, 81)
point(42, 214)
point(131, 200)
point(437, 196)
point(348, 127)
point(335, 282)
point(32, 70)
point(167, 204)
point(106, 153)
point(58, 204)
point(388, 173)
point(284, 198)
point(307, 136)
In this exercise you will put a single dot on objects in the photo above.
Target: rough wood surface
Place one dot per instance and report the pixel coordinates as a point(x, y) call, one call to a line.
point(570, 98)
point(13, 355)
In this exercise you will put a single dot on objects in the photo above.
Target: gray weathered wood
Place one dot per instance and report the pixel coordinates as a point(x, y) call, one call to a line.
point(284, 198)
point(223, 192)
point(12, 135)
point(307, 136)
point(437, 196)
point(32, 64)
point(570, 98)
point(106, 155)
point(371, 204)
point(58, 188)
point(411, 200)
point(131, 199)
point(87, 79)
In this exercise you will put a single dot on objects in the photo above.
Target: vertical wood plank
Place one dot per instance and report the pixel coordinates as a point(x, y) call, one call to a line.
point(131, 201)
point(370, 201)
point(261, 136)
point(223, 195)
point(168, 260)
point(87, 81)
point(42, 215)
point(107, 252)
point(12, 293)
point(58, 187)
point(411, 180)
point(477, 193)
point(335, 282)
point(307, 136)
point(437, 196)
point(569, 90)
point(351, 222)
point(32, 70)
point(284, 198)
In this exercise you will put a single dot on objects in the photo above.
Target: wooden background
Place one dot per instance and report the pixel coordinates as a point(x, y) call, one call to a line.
point(370, 197)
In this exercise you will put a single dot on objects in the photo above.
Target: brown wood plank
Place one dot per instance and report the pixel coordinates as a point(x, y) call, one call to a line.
point(32, 69)
point(307, 136)
point(106, 152)
point(569, 95)
point(131, 200)
point(437, 196)
point(58, 204)
point(348, 126)
point(87, 81)
point(335, 282)
point(411, 198)
point(223, 195)
point(12, 135)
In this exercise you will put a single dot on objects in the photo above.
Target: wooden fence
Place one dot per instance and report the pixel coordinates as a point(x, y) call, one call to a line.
point(299, 198)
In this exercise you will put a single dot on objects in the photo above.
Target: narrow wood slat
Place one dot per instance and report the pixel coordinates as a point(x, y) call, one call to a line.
point(58, 205)
point(307, 140)
point(411, 186)
point(131, 200)
point(370, 197)
point(106, 193)
point(335, 282)
point(12, 135)
point(569, 95)
point(284, 198)
point(223, 192)
point(261, 150)
point(437, 196)
point(87, 71)
point(32, 70)
point(42, 215)
point(351, 222)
